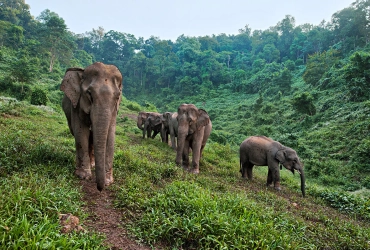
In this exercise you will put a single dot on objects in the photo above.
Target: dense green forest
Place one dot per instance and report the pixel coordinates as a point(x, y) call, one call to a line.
point(307, 86)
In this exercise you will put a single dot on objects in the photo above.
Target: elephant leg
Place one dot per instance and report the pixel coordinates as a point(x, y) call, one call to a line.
point(154, 134)
point(275, 177)
point(196, 148)
point(249, 168)
point(185, 155)
point(83, 162)
point(269, 178)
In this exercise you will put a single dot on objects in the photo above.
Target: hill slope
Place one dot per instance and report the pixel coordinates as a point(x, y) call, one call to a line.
point(160, 204)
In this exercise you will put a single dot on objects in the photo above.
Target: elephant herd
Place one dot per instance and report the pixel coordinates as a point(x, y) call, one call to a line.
point(91, 100)
point(189, 125)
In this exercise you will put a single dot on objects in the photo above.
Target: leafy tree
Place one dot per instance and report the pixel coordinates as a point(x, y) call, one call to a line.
point(57, 42)
point(285, 81)
point(270, 53)
point(357, 75)
point(24, 69)
point(303, 103)
point(317, 65)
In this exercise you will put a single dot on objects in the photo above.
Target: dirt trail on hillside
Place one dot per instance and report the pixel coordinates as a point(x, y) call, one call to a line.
point(105, 219)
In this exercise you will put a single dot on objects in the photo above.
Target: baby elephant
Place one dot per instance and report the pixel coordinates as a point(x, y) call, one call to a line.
point(263, 151)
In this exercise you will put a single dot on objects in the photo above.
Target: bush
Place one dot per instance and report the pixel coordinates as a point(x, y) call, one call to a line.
point(39, 96)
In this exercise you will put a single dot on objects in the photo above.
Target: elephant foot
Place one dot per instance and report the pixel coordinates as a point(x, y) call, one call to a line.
point(194, 170)
point(277, 186)
point(108, 179)
point(84, 174)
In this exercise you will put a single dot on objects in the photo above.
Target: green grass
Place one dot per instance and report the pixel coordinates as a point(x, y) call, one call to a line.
point(161, 204)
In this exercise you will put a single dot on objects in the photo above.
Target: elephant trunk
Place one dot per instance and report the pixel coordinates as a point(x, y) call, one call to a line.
point(303, 185)
point(140, 124)
point(100, 127)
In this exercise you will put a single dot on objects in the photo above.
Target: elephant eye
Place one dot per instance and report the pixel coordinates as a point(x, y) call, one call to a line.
point(89, 95)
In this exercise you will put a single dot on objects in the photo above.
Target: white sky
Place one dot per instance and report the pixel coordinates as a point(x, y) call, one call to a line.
point(168, 19)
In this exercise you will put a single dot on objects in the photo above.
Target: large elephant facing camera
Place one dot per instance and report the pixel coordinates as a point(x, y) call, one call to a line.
point(263, 151)
point(194, 128)
point(91, 100)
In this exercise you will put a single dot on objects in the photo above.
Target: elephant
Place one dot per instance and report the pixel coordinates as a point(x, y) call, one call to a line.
point(194, 128)
point(263, 151)
point(91, 100)
point(153, 123)
point(169, 127)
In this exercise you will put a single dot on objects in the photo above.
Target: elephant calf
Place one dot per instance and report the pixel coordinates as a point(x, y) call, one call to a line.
point(263, 151)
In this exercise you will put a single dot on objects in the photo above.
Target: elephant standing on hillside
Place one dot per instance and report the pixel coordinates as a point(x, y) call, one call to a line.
point(153, 123)
point(263, 151)
point(90, 103)
point(194, 128)
point(169, 127)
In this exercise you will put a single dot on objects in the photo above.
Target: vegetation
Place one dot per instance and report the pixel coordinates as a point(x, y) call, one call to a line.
point(306, 86)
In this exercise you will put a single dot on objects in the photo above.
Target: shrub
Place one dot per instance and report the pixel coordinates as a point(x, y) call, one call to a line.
point(39, 96)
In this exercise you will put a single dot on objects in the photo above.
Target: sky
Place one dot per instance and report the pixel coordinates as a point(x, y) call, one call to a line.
point(169, 19)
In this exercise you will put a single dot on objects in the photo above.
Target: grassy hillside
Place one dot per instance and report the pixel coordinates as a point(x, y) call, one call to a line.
point(164, 206)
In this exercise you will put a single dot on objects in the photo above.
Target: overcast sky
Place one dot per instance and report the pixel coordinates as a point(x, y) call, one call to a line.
point(168, 19)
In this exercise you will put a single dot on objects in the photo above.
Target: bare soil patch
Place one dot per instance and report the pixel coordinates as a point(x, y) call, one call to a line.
point(105, 219)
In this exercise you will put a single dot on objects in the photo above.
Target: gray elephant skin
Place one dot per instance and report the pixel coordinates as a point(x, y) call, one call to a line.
point(90, 103)
point(169, 127)
point(194, 128)
point(153, 123)
point(141, 119)
point(263, 151)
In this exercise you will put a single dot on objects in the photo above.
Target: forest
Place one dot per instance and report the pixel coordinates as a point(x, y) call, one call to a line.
point(306, 86)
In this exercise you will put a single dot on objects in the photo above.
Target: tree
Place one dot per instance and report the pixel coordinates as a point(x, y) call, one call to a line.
point(303, 103)
point(55, 39)
point(317, 65)
point(357, 75)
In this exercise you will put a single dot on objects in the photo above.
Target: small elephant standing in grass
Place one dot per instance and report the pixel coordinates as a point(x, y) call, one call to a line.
point(90, 103)
point(141, 119)
point(169, 127)
point(263, 151)
point(194, 128)
point(153, 123)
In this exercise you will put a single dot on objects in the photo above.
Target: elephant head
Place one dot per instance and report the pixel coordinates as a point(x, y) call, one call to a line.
point(192, 133)
point(141, 118)
point(91, 102)
point(289, 159)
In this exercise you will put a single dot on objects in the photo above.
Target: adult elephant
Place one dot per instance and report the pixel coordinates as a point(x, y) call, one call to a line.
point(169, 127)
point(263, 151)
point(153, 123)
point(90, 103)
point(194, 128)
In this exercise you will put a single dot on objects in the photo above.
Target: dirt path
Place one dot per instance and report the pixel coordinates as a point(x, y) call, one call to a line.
point(105, 219)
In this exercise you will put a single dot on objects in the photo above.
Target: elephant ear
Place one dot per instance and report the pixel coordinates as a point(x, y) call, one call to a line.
point(203, 119)
point(280, 155)
point(71, 84)
point(120, 86)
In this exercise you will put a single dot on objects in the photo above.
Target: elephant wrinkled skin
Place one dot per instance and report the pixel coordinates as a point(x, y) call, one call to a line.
point(194, 128)
point(169, 127)
point(90, 103)
point(263, 151)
